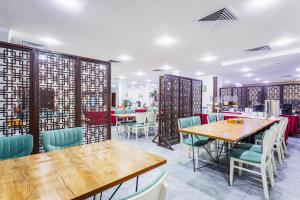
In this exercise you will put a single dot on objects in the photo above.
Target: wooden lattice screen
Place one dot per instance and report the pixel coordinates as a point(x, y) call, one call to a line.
point(178, 97)
point(44, 90)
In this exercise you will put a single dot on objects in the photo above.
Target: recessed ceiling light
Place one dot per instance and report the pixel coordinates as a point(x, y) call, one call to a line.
point(133, 83)
point(153, 85)
point(266, 82)
point(165, 67)
point(122, 77)
point(227, 81)
point(248, 75)
point(245, 69)
point(50, 41)
point(199, 73)
point(149, 81)
point(257, 79)
point(75, 5)
point(209, 58)
point(283, 42)
point(298, 75)
point(124, 58)
point(298, 69)
point(140, 73)
point(262, 57)
point(165, 41)
point(238, 84)
point(256, 5)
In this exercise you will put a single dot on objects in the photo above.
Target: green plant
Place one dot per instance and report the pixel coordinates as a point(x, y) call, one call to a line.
point(126, 103)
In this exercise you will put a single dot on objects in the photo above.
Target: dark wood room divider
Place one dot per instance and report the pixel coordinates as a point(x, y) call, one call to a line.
point(178, 97)
point(44, 90)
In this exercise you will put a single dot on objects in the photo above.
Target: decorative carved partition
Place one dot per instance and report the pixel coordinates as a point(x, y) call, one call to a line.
point(179, 97)
point(42, 90)
point(249, 95)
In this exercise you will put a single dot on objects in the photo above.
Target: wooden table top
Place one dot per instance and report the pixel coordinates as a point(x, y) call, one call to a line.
point(73, 173)
point(229, 132)
point(124, 115)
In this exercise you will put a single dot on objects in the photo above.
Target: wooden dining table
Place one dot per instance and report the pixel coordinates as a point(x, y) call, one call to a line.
point(229, 133)
point(74, 173)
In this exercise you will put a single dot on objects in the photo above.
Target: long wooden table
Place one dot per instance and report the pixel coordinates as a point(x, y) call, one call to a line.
point(74, 173)
point(227, 132)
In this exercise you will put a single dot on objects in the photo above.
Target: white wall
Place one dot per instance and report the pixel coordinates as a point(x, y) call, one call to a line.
point(4, 34)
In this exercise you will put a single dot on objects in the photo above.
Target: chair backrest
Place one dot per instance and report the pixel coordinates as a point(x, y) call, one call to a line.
point(283, 124)
point(196, 120)
point(185, 122)
point(15, 146)
point(140, 117)
point(119, 111)
point(62, 138)
point(155, 191)
point(151, 116)
point(211, 118)
point(129, 111)
point(269, 141)
point(220, 117)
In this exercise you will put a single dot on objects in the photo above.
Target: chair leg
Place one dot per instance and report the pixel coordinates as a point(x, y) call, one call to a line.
point(216, 148)
point(279, 154)
point(271, 174)
point(136, 134)
point(274, 164)
point(284, 146)
point(190, 150)
point(207, 154)
point(197, 158)
point(282, 151)
point(264, 181)
point(240, 171)
point(231, 171)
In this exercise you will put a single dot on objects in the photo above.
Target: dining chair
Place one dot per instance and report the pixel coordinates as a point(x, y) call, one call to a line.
point(197, 142)
point(63, 138)
point(15, 146)
point(211, 118)
point(139, 124)
point(220, 116)
point(151, 121)
point(260, 160)
point(119, 120)
point(154, 191)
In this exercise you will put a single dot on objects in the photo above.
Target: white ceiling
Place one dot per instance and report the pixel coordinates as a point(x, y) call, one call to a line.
point(106, 29)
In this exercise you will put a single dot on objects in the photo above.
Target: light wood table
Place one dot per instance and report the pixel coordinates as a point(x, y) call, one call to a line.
point(74, 173)
point(124, 116)
point(228, 133)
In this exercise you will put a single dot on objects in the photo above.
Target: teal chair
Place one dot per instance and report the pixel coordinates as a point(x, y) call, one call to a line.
point(130, 111)
point(220, 117)
point(196, 120)
point(15, 146)
point(63, 138)
point(197, 142)
point(211, 118)
point(154, 191)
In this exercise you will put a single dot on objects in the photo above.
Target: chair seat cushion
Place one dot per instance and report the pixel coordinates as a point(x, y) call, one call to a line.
point(250, 147)
point(198, 141)
point(133, 125)
point(246, 155)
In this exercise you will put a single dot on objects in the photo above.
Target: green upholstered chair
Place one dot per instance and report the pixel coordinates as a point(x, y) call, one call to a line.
point(211, 118)
point(62, 138)
point(187, 139)
point(15, 146)
point(129, 111)
point(156, 190)
point(196, 120)
point(220, 116)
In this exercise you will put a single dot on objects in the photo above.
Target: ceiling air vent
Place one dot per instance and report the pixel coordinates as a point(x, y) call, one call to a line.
point(261, 48)
point(224, 14)
point(158, 70)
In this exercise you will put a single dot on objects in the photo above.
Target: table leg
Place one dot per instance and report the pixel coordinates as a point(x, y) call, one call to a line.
point(193, 153)
point(115, 192)
point(137, 184)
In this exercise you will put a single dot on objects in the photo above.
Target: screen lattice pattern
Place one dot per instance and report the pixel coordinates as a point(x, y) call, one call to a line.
point(254, 95)
point(95, 101)
point(14, 89)
point(225, 94)
point(185, 97)
point(291, 95)
point(197, 96)
point(272, 92)
point(57, 80)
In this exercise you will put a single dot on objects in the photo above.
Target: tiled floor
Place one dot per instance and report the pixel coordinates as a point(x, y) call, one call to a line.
point(207, 183)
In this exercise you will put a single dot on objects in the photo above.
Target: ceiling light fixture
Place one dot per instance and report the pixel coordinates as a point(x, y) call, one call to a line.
point(257, 79)
point(262, 57)
point(283, 42)
point(122, 77)
point(50, 41)
point(298, 69)
point(75, 5)
point(124, 58)
point(165, 67)
point(208, 58)
point(258, 4)
point(227, 81)
point(165, 41)
point(238, 84)
point(133, 83)
point(266, 82)
point(140, 73)
point(245, 69)
point(148, 81)
point(199, 73)
point(248, 75)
